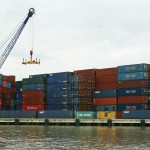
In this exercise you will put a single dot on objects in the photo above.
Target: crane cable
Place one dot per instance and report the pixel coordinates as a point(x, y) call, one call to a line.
point(11, 34)
point(32, 33)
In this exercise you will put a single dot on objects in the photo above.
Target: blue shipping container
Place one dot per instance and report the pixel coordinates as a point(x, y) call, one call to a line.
point(0, 83)
point(62, 86)
point(17, 114)
point(104, 93)
point(19, 96)
point(133, 76)
point(133, 92)
point(1, 77)
point(38, 76)
point(55, 114)
point(133, 68)
point(62, 107)
point(60, 74)
point(122, 107)
point(33, 87)
point(63, 93)
point(137, 114)
point(64, 100)
point(104, 107)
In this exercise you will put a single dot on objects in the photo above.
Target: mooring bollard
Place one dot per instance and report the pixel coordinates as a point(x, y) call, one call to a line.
point(109, 122)
point(46, 122)
point(16, 121)
point(77, 122)
point(142, 123)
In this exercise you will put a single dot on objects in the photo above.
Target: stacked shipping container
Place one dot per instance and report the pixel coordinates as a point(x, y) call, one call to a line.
point(18, 102)
point(7, 92)
point(133, 87)
point(61, 91)
point(85, 88)
point(33, 94)
point(105, 96)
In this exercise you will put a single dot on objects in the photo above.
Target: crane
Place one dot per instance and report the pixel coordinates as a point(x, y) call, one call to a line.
point(12, 42)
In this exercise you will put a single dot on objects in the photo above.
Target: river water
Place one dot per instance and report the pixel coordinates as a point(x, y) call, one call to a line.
point(74, 138)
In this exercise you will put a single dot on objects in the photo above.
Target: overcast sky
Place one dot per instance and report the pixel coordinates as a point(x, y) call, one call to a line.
point(77, 34)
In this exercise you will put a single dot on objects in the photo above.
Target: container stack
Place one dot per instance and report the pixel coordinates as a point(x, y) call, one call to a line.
point(86, 87)
point(61, 92)
point(7, 92)
point(133, 88)
point(105, 96)
point(18, 102)
point(105, 103)
point(33, 94)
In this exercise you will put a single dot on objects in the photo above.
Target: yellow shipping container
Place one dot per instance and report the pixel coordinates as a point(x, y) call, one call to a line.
point(106, 115)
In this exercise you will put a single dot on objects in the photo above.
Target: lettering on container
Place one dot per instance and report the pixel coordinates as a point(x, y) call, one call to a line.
point(130, 107)
point(130, 91)
point(85, 115)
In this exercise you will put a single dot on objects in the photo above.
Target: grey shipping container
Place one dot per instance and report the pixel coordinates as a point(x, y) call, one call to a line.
point(55, 114)
point(137, 114)
point(17, 114)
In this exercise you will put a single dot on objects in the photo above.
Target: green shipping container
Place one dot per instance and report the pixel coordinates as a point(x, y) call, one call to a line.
point(38, 80)
point(85, 114)
point(19, 84)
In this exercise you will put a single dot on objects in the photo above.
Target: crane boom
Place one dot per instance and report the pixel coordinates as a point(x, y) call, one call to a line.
point(15, 38)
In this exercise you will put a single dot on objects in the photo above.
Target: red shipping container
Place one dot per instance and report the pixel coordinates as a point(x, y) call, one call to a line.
point(88, 86)
point(6, 103)
point(88, 101)
point(132, 99)
point(11, 79)
point(149, 74)
point(119, 115)
point(28, 94)
point(85, 93)
point(33, 101)
point(133, 83)
point(105, 101)
point(7, 90)
point(85, 72)
point(91, 78)
point(0, 101)
point(107, 86)
point(33, 107)
point(86, 78)
point(107, 71)
point(105, 79)
point(8, 97)
point(85, 107)
point(4, 78)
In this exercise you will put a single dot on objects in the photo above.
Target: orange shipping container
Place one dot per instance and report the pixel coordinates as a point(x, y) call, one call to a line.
point(105, 101)
point(85, 72)
point(29, 94)
point(132, 99)
point(107, 86)
point(33, 101)
point(133, 83)
point(105, 79)
point(107, 71)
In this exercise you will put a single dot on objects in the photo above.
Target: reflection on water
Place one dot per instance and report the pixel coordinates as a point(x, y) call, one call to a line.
point(75, 138)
